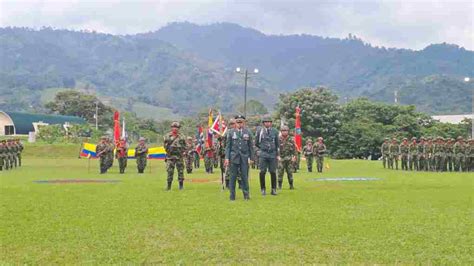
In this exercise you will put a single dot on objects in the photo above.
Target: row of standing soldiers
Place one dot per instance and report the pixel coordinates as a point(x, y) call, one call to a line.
point(105, 152)
point(10, 154)
point(430, 154)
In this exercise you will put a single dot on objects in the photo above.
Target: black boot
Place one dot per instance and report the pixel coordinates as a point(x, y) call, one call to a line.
point(263, 192)
point(280, 184)
point(169, 185)
point(181, 185)
point(291, 185)
point(227, 184)
point(274, 192)
point(1, 168)
point(273, 179)
point(262, 181)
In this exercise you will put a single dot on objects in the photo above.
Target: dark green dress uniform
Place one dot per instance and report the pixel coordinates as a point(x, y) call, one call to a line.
point(308, 155)
point(141, 156)
point(268, 144)
point(101, 152)
point(287, 156)
point(384, 152)
point(239, 149)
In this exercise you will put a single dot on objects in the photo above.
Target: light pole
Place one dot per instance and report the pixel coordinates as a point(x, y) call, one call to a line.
point(467, 80)
point(96, 115)
point(246, 74)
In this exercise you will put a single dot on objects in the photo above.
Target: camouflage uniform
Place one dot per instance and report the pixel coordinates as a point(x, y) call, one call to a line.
point(110, 154)
point(308, 154)
point(2, 155)
point(459, 151)
point(215, 159)
point(438, 151)
point(384, 152)
point(319, 150)
point(421, 155)
point(141, 154)
point(394, 152)
point(20, 150)
point(449, 155)
point(189, 155)
point(470, 156)
point(121, 154)
point(101, 151)
point(208, 159)
point(404, 150)
point(175, 146)
point(287, 158)
point(413, 155)
point(13, 154)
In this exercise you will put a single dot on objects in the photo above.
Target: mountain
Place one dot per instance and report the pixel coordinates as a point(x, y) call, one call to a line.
point(183, 68)
point(148, 71)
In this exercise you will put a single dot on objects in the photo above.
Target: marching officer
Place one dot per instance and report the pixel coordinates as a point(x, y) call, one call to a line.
point(267, 143)
point(141, 154)
point(308, 154)
point(121, 154)
point(175, 146)
point(239, 151)
point(319, 150)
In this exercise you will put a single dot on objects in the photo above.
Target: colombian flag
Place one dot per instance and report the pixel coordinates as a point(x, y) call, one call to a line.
point(159, 153)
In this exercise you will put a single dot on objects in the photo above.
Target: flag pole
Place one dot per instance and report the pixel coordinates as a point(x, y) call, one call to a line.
point(89, 164)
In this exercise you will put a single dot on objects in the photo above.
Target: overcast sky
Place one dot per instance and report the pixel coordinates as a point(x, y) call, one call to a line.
point(402, 24)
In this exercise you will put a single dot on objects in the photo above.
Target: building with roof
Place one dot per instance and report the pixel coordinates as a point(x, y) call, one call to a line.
point(17, 123)
point(452, 119)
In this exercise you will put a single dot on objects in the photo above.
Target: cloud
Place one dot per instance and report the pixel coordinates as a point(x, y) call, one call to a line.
point(404, 24)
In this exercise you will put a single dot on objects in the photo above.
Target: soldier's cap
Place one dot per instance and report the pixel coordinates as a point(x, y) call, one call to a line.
point(231, 121)
point(103, 137)
point(309, 140)
point(141, 139)
point(189, 138)
point(413, 138)
point(239, 118)
point(385, 139)
point(394, 139)
point(320, 138)
point(460, 138)
point(405, 138)
point(284, 128)
point(175, 124)
point(266, 118)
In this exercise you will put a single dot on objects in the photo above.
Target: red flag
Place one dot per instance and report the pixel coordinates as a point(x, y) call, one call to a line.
point(116, 127)
point(298, 129)
point(219, 126)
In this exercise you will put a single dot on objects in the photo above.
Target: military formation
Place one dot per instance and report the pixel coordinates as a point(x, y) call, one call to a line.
point(429, 154)
point(10, 154)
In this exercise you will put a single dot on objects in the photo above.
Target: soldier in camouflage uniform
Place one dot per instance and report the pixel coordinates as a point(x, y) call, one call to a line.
point(189, 155)
point(438, 151)
point(459, 153)
point(141, 155)
point(394, 152)
point(101, 152)
point(449, 155)
point(319, 150)
point(208, 154)
point(429, 154)
point(215, 159)
point(421, 155)
point(175, 146)
point(413, 155)
point(6, 155)
point(12, 153)
point(470, 156)
point(308, 154)
point(121, 154)
point(404, 150)
point(384, 152)
point(287, 157)
point(197, 156)
point(20, 150)
point(3, 151)
point(110, 153)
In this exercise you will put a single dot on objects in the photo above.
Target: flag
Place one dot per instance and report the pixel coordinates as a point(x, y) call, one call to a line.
point(116, 127)
point(298, 129)
point(209, 129)
point(88, 151)
point(219, 126)
point(124, 134)
point(199, 139)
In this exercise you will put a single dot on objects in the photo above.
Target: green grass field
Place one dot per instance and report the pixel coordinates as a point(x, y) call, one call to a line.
point(405, 218)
